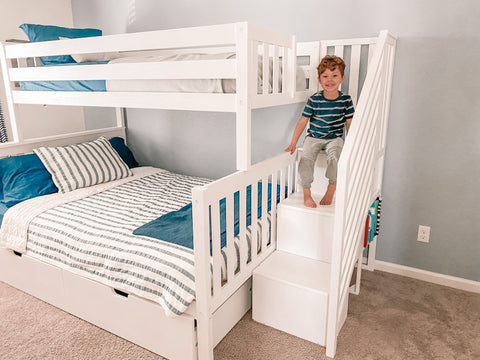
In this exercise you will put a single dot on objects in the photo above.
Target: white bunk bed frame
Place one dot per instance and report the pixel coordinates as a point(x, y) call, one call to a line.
point(218, 305)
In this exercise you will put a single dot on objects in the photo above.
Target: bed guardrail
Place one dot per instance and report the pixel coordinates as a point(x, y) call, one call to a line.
point(265, 184)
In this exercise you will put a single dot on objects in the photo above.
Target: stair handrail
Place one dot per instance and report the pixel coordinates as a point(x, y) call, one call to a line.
point(362, 158)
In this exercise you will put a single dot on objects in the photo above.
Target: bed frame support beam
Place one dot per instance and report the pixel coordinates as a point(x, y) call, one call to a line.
point(244, 48)
point(11, 116)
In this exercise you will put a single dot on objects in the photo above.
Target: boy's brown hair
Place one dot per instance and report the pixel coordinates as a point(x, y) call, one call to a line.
point(331, 62)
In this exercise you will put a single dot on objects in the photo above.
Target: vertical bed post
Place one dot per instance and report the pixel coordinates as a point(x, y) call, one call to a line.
point(12, 119)
point(203, 298)
point(244, 110)
point(292, 64)
point(120, 116)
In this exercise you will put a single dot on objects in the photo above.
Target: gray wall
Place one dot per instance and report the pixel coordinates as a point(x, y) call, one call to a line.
point(432, 167)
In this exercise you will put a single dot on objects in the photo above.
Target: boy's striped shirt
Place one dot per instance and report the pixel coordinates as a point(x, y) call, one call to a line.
point(327, 117)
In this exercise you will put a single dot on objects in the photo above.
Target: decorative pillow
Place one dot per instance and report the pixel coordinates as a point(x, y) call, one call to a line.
point(125, 153)
point(82, 165)
point(24, 177)
point(36, 33)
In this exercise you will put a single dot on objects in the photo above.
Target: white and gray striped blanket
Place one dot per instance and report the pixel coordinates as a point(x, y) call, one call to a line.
point(92, 237)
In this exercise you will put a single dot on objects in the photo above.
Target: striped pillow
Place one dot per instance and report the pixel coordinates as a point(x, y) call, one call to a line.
point(77, 166)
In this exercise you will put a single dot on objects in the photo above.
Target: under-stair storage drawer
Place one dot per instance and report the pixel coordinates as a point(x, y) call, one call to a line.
point(305, 231)
point(290, 293)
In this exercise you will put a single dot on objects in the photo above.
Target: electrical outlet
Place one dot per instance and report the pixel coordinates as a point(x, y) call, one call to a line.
point(423, 233)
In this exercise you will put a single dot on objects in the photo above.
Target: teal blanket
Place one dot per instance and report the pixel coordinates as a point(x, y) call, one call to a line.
point(177, 226)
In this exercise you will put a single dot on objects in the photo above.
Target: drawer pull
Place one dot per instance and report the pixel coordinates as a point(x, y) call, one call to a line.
point(121, 293)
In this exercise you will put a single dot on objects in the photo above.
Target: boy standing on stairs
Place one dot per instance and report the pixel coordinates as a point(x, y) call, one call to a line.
point(329, 111)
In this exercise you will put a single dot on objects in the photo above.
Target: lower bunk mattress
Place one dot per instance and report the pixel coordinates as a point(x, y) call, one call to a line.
point(89, 232)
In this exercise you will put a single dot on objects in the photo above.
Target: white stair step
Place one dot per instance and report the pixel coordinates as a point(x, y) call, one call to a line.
point(290, 293)
point(305, 231)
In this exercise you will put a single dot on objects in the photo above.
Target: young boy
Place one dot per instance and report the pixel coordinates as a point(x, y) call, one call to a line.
point(328, 112)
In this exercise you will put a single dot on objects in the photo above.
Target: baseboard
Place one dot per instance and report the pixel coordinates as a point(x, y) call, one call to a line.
point(436, 278)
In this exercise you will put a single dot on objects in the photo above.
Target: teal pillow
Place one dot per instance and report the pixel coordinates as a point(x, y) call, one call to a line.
point(36, 33)
point(125, 153)
point(24, 177)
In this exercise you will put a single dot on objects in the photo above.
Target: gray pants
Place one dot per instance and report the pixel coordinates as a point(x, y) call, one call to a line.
point(311, 149)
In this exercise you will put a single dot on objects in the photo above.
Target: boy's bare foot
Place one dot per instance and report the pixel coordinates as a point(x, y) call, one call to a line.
point(328, 197)
point(307, 199)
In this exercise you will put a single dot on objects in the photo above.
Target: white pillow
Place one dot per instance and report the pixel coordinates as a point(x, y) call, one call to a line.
point(81, 165)
point(93, 57)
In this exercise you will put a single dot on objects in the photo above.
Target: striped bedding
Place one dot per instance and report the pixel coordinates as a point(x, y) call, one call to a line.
point(92, 236)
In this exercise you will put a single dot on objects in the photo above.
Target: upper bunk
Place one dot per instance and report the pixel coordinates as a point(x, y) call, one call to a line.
point(220, 68)
point(224, 68)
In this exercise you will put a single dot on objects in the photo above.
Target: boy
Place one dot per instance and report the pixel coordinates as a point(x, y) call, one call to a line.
point(328, 111)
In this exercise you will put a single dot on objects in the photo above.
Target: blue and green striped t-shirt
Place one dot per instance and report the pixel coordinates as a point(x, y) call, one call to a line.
point(327, 117)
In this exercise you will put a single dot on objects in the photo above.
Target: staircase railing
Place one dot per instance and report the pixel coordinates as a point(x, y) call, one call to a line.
point(360, 170)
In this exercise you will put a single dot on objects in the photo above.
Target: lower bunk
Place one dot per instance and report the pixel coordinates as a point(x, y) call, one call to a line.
point(133, 318)
point(83, 250)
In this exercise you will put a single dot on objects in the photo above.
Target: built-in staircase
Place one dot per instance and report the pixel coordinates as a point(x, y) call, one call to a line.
point(291, 287)
point(303, 287)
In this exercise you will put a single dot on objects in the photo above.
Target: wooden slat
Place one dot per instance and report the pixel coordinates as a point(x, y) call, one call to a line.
point(266, 69)
point(354, 73)
point(269, 36)
point(27, 145)
point(146, 100)
point(216, 252)
point(264, 212)
point(230, 248)
point(254, 226)
point(215, 35)
point(276, 70)
point(242, 214)
point(339, 52)
point(273, 210)
point(187, 69)
point(285, 67)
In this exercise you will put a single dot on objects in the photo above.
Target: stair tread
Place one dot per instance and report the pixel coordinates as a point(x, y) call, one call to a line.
point(296, 270)
point(295, 200)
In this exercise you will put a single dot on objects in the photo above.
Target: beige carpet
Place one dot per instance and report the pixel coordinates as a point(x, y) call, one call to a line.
point(393, 318)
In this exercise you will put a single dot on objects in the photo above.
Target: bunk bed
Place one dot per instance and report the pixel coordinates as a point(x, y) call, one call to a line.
point(261, 69)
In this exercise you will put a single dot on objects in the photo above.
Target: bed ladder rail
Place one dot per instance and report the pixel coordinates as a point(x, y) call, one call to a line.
point(360, 172)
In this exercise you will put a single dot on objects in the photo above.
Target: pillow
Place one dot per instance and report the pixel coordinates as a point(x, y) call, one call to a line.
point(96, 57)
point(36, 33)
point(82, 165)
point(24, 177)
point(125, 153)
point(93, 57)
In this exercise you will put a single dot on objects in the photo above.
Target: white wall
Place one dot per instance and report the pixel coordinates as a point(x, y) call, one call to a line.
point(432, 167)
point(37, 120)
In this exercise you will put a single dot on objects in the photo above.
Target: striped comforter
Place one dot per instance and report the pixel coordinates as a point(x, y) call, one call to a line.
point(93, 237)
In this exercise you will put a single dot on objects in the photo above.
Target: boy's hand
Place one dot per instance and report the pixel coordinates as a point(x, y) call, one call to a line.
point(291, 148)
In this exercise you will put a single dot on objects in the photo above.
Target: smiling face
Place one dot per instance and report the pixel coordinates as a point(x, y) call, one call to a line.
point(330, 81)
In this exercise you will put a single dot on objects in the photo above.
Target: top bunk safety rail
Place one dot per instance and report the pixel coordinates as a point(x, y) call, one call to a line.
point(262, 66)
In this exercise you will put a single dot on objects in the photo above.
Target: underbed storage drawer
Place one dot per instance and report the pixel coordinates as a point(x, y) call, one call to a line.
point(138, 320)
point(290, 293)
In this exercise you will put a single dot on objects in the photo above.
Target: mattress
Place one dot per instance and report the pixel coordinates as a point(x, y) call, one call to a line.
point(157, 85)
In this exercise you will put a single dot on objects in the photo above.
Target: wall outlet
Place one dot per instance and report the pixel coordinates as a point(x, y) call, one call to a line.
point(423, 233)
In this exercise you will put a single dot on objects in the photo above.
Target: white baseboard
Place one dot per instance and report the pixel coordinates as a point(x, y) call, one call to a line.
point(436, 278)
